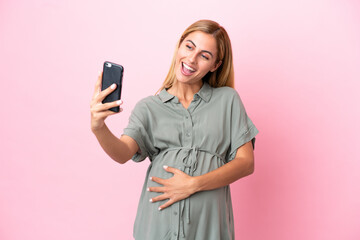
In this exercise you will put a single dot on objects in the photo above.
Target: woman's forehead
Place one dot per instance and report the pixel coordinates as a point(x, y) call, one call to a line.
point(202, 40)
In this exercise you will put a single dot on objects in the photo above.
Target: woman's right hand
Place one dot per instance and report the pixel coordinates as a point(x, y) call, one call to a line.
point(100, 111)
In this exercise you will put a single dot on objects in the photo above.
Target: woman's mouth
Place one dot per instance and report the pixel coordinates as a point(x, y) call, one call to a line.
point(187, 70)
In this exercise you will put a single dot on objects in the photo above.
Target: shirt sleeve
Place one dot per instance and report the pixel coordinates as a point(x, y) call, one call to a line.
point(242, 129)
point(137, 130)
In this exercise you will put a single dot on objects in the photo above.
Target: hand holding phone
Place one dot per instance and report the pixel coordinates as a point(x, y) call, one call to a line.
point(112, 73)
point(100, 110)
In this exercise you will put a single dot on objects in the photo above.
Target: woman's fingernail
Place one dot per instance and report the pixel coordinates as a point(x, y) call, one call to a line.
point(148, 189)
point(113, 86)
point(150, 200)
point(159, 208)
point(150, 178)
point(118, 102)
point(165, 167)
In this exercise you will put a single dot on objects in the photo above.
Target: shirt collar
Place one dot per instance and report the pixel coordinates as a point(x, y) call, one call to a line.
point(165, 96)
point(205, 93)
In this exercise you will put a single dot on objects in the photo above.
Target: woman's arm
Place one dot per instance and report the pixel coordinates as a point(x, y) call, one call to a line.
point(181, 185)
point(242, 165)
point(120, 150)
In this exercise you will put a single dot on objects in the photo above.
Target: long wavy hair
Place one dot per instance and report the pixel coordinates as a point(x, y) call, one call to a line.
point(224, 74)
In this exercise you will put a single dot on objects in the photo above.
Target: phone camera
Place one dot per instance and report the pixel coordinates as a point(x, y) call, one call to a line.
point(108, 64)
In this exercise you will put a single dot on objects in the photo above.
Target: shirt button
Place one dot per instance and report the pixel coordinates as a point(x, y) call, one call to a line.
point(188, 134)
point(175, 213)
point(187, 117)
point(175, 233)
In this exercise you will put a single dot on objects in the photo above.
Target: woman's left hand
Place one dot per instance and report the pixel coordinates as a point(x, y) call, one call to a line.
point(176, 188)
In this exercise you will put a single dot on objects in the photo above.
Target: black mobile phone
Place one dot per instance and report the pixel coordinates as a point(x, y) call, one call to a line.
point(112, 73)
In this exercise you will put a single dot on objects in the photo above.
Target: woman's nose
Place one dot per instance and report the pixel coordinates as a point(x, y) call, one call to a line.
point(192, 57)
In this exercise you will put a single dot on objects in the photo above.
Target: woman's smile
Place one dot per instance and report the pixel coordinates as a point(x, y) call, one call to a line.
point(187, 70)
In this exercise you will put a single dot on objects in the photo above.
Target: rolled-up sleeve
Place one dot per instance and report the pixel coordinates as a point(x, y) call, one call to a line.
point(136, 129)
point(242, 129)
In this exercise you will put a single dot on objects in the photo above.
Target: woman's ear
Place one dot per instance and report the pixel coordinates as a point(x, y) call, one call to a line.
point(216, 66)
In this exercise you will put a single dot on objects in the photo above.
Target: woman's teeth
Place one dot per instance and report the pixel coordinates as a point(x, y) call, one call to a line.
point(188, 68)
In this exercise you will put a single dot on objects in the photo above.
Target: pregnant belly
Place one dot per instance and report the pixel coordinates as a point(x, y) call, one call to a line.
point(192, 162)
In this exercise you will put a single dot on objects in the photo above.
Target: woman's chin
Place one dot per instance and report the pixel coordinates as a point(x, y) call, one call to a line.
point(186, 79)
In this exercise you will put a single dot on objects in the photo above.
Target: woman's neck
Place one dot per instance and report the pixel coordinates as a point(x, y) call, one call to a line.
point(184, 91)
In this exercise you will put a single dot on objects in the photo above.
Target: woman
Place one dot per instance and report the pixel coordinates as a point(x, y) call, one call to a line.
point(197, 136)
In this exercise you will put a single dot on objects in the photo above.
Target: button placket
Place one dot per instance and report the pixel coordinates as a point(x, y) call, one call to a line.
point(187, 128)
point(176, 219)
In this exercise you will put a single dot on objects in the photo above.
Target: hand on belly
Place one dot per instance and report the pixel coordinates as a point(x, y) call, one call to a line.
point(176, 188)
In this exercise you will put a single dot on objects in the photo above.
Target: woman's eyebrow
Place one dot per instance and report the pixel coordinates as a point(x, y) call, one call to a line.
point(201, 50)
point(191, 42)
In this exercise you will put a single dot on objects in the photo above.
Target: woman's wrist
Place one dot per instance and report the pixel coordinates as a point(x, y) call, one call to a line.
point(98, 129)
point(197, 185)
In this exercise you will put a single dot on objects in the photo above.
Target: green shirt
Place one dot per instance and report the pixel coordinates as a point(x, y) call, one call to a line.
point(196, 140)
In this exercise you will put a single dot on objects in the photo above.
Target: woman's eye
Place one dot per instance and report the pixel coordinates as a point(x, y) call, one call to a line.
point(205, 57)
point(189, 47)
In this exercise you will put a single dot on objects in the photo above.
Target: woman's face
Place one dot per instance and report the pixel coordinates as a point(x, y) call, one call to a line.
point(196, 56)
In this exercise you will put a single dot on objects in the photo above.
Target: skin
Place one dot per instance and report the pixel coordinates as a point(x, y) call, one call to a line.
point(198, 51)
point(120, 150)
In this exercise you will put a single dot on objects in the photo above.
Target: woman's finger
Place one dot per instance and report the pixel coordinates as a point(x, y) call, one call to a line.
point(159, 198)
point(172, 170)
point(107, 106)
point(156, 189)
point(105, 92)
point(167, 204)
point(158, 180)
point(99, 106)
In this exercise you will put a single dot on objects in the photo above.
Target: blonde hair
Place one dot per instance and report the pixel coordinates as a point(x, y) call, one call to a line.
point(224, 74)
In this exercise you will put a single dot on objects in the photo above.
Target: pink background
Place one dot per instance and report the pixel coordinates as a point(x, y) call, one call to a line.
point(297, 67)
